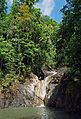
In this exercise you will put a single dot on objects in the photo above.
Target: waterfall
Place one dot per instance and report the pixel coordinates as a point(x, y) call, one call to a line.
point(40, 90)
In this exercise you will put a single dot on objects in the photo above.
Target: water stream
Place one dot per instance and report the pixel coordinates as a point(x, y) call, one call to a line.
point(40, 90)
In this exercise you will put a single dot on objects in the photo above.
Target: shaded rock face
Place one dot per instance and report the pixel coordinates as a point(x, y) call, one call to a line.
point(73, 97)
point(21, 95)
point(63, 92)
point(39, 73)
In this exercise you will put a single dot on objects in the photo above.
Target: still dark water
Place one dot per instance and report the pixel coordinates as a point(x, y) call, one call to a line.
point(35, 113)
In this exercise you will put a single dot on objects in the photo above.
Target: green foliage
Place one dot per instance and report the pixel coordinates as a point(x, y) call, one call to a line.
point(69, 44)
point(26, 42)
point(14, 7)
point(29, 41)
point(3, 9)
point(29, 2)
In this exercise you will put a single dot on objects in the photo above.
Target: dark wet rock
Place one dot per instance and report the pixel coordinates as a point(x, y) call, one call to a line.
point(73, 97)
point(39, 72)
point(63, 92)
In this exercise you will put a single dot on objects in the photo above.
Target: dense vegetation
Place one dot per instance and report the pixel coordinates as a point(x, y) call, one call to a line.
point(68, 43)
point(30, 41)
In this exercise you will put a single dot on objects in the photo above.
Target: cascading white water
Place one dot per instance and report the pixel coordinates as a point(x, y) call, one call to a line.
point(40, 90)
point(42, 105)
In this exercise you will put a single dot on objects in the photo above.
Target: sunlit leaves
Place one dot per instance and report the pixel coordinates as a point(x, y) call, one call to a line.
point(24, 14)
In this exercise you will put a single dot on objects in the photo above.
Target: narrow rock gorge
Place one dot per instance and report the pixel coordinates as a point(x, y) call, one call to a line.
point(55, 90)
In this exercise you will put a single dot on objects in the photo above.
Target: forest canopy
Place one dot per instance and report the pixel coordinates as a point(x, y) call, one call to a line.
point(30, 41)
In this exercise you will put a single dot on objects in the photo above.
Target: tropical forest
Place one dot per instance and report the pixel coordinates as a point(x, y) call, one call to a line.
point(40, 61)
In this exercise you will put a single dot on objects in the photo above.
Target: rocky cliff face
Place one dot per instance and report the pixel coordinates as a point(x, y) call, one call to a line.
point(31, 92)
point(56, 90)
point(63, 92)
point(21, 94)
